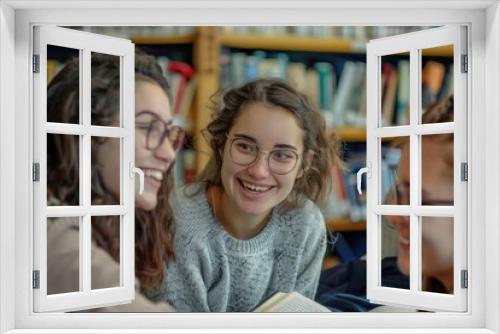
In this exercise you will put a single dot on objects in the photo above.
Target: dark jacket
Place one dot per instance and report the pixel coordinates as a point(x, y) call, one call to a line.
point(343, 287)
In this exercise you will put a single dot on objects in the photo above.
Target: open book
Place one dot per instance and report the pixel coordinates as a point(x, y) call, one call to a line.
point(290, 302)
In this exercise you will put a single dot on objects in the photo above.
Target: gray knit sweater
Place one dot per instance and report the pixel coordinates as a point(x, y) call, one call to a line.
point(215, 272)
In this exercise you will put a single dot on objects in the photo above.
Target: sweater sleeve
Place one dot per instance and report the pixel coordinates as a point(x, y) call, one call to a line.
point(189, 276)
point(314, 251)
point(186, 289)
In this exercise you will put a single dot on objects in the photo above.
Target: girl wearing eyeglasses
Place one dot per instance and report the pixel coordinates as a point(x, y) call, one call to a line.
point(157, 141)
point(250, 227)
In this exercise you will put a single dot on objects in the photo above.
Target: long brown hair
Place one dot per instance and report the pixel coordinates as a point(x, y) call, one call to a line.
point(153, 229)
point(316, 179)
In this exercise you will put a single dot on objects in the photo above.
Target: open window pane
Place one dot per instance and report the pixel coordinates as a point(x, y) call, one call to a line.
point(437, 80)
point(395, 251)
point(67, 153)
point(63, 255)
point(437, 170)
point(106, 235)
point(427, 180)
point(106, 176)
point(437, 254)
point(395, 92)
point(395, 168)
point(63, 170)
point(57, 58)
point(106, 90)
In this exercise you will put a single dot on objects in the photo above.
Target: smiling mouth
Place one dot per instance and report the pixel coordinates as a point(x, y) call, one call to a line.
point(154, 174)
point(253, 188)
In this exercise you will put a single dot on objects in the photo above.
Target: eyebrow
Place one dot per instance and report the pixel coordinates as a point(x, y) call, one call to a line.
point(154, 115)
point(252, 139)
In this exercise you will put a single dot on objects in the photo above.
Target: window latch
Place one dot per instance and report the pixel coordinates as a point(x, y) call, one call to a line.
point(365, 170)
point(134, 170)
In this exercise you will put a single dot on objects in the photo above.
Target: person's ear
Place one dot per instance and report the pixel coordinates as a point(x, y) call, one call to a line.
point(306, 163)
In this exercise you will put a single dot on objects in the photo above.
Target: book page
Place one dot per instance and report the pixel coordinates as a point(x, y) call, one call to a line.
point(293, 302)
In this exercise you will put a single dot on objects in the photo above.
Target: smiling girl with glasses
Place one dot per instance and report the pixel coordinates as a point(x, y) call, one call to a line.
point(250, 227)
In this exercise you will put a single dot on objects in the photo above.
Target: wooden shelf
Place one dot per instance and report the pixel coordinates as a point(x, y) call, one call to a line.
point(442, 51)
point(350, 134)
point(293, 43)
point(345, 225)
point(288, 43)
point(179, 39)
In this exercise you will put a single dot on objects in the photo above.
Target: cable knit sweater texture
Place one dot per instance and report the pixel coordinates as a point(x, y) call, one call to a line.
point(215, 272)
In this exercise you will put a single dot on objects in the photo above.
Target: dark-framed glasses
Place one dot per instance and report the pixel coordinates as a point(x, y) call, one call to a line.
point(245, 152)
point(157, 131)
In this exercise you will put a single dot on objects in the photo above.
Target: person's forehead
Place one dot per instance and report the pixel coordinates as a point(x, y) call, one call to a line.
point(152, 98)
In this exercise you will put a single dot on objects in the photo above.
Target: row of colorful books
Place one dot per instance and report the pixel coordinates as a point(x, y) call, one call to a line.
point(342, 101)
point(359, 33)
point(338, 88)
point(437, 83)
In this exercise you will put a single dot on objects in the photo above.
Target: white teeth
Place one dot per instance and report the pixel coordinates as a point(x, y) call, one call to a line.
point(404, 240)
point(254, 188)
point(155, 174)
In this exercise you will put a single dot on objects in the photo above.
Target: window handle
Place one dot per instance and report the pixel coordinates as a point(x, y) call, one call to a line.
point(359, 174)
point(134, 170)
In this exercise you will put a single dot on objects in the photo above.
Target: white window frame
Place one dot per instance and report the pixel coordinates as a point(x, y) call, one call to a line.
point(16, 20)
point(414, 43)
point(86, 43)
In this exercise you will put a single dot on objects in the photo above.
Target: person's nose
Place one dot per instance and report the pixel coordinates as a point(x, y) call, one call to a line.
point(260, 167)
point(165, 151)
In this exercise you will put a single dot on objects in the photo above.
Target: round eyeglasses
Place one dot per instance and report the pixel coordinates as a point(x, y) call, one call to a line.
point(156, 132)
point(245, 152)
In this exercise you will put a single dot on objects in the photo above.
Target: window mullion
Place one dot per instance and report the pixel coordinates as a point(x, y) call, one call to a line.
point(415, 231)
point(85, 172)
